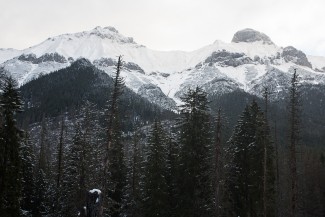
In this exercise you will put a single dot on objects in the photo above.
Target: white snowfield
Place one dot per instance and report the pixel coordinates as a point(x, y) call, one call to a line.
point(219, 67)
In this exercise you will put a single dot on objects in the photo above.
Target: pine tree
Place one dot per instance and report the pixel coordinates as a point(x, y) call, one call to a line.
point(10, 182)
point(195, 166)
point(80, 172)
point(60, 156)
point(28, 177)
point(245, 173)
point(294, 132)
point(114, 182)
point(43, 195)
point(40, 201)
point(73, 182)
point(172, 173)
point(59, 171)
point(156, 188)
point(91, 131)
point(218, 162)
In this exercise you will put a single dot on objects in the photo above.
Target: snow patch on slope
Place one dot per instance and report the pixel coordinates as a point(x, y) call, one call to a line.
point(317, 62)
point(7, 54)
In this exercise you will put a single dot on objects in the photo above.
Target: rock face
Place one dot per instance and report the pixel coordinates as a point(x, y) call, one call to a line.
point(133, 66)
point(225, 58)
point(105, 62)
point(251, 35)
point(52, 57)
point(291, 54)
point(154, 94)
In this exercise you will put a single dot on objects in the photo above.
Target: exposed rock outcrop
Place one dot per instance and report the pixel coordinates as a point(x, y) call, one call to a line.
point(251, 35)
point(291, 54)
point(225, 58)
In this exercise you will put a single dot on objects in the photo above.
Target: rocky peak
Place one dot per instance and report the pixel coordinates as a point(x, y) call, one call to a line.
point(107, 28)
point(291, 54)
point(251, 35)
point(110, 33)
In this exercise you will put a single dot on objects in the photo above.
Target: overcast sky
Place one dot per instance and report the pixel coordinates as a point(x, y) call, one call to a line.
point(166, 24)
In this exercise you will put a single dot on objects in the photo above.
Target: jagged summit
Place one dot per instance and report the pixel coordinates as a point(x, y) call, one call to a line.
point(251, 35)
point(110, 33)
point(110, 28)
point(107, 32)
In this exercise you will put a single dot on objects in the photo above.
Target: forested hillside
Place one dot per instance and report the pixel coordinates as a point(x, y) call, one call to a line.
point(77, 142)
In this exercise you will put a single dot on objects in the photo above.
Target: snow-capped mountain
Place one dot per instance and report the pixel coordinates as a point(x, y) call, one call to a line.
point(250, 62)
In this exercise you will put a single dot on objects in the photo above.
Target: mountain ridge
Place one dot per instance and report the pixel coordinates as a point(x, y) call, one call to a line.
point(246, 63)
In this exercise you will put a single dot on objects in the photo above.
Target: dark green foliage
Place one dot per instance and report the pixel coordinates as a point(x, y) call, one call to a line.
point(135, 177)
point(156, 201)
point(245, 165)
point(195, 166)
point(59, 160)
point(92, 150)
point(45, 190)
point(81, 164)
point(10, 181)
point(115, 170)
point(41, 198)
point(172, 173)
point(218, 164)
point(73, 184)
point(28, 178)
point(294, 139)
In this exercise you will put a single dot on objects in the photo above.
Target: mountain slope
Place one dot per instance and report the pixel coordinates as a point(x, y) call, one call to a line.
point(248, 63)
point(66, 90)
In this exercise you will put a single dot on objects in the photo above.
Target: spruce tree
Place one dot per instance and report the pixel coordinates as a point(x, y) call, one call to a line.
point(114, 182)
point(59, 171)
point(245, 172)
point(172, 173)
point(60, 156)
point(73, 182)
point(91, 131)
point(218, 163)
point(40, 201)
point(10, 182)
point(80, 172)
point(156, 188)
point(294, 138)
point(195, 166)
point(43, 194)
point(28, 177)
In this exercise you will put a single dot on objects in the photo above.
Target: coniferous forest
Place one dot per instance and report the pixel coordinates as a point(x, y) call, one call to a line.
point(77, 142)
